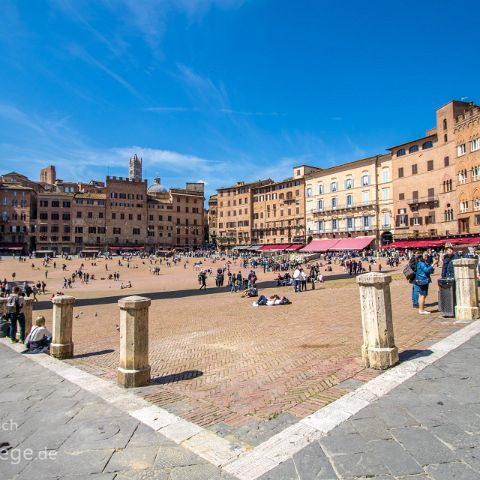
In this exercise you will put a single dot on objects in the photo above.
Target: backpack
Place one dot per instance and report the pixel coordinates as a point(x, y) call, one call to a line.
point(13, 305)
point(409, 272)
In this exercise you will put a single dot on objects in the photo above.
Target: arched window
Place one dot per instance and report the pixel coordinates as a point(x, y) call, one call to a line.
point(401, 152)
point(413, 149)
point(426, 145)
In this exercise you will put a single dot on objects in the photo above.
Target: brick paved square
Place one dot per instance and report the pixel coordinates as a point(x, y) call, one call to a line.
point(216, 359)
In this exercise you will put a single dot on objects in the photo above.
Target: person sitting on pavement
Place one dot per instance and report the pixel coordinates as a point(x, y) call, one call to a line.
point(250, 292)
point(39, 338)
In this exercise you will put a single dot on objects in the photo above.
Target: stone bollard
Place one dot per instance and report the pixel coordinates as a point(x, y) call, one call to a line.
point(378, 349)
point(27, 312)
point(465, 270)
point(62, 344)
point(134, 370)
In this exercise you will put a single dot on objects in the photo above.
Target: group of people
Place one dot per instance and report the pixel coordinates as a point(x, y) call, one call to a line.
point(419, 270)
point(38, 339)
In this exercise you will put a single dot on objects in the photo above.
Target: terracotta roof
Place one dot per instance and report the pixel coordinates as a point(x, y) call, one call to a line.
point(98, 196)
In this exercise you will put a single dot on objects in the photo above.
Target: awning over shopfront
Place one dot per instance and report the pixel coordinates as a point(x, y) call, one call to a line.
point(432, 243)
point(320, 245)
point(358, 243)
point(338, 244)
point(279, 247)
point(133, 248)
point(294, 246)
point(11, 246)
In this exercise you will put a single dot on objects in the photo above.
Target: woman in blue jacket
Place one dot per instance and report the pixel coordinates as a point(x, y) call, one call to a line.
point(422, 280)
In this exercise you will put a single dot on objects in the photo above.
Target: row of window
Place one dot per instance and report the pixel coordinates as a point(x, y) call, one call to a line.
point(474, 146)
point(414, 148)
point(102, 230)
point(160, 207)
point(415, 221)
point(347, 224)
point(13, 217)
point(14, 229)
point(271, 196)
point(53, 238)
point(348, 184)
point(53, 216)
point(126, 196)
point(334, 203)
point(465, 205)
point(89, 201)
point(463, 175)
point(430, 167)
point(53, 228)
point(15, 203)
point(55, 203)
point(125, 204)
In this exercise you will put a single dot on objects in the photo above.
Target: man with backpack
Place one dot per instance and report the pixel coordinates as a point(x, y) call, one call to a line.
point(15, 314)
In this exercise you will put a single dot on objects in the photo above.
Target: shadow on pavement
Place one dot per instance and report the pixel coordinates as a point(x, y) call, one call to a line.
point(211, 289)
point(409, 354)
point(93, 354)
point(176, 377)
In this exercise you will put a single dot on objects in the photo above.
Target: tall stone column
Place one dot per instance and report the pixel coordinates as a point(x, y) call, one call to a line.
point(134, 370)
point(27, 312)
point(378, 350)
point(465, 270)
point(62, 344)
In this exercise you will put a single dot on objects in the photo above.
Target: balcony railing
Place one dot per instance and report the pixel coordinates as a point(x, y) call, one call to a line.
point(346, 206)
point(341, 230)
point(421, 200)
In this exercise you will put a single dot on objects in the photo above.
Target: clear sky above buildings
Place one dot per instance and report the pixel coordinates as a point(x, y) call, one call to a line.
point(224, 90)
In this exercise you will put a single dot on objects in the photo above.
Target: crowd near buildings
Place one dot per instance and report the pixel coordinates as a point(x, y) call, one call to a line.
point(423, 188)
point(119, 214)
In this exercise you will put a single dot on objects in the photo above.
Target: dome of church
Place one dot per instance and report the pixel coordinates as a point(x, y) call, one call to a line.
point(157, 187)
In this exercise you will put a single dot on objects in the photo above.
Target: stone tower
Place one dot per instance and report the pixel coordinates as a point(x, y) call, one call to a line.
point(48, 175)
point(135, 168)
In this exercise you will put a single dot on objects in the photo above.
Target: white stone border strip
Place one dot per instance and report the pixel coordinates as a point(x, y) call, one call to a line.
point(233, 458)
point(200, 441)
point(285, 444)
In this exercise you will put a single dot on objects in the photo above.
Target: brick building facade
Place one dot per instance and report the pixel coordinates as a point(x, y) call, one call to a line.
point(424, 181)
point(120, 214)
point(467, 169)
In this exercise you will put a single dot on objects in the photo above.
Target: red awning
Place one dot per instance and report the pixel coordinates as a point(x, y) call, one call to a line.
point(11, 246)
point(274, 248)
point(320, 245)
point(294, 246)
point(425, 243)
point(358, 243)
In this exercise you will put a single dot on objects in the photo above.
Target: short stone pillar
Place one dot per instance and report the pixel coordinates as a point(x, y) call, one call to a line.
point(378, 349)
point(27, 312)
point(134, 370)
point(465, 270)
point(62, 344)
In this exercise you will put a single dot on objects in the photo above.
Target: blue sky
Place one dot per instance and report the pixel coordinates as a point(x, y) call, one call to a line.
point(224, 90)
